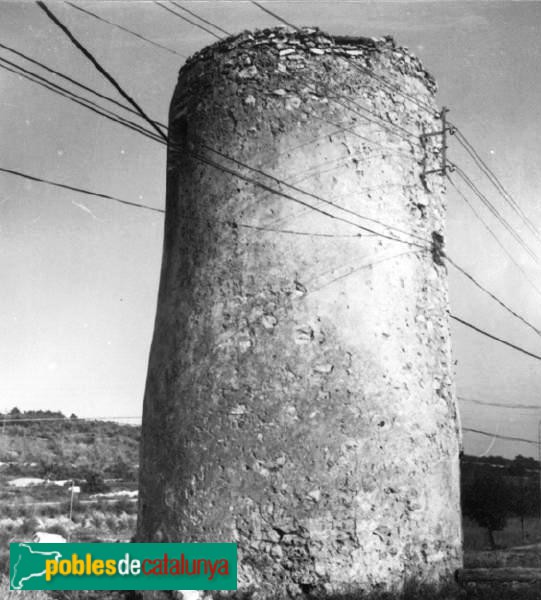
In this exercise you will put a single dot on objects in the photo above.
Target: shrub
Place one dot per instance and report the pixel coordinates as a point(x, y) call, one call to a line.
point(94, 483)
point(58, 529)
point(112, 523)
point(29, 526)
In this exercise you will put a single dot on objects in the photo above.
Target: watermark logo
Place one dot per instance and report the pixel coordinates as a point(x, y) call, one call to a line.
point(123, 566)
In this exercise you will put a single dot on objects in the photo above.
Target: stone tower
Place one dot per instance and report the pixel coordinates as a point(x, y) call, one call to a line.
point(299, 398)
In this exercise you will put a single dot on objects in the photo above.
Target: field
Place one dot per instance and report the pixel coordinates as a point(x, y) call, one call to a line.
point(476, 539)
point(100, 459)
point(115, 519)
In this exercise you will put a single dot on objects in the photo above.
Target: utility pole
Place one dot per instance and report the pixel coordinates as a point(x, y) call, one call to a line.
point(71, 506)
point(539, 462)
point(445, 164)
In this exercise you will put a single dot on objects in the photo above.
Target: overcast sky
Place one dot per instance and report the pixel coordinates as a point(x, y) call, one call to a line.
point(79, 275)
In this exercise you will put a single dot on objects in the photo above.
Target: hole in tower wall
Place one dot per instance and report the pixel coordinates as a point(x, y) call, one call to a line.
point(437, 248)
point(176, 148)
point(179, 130)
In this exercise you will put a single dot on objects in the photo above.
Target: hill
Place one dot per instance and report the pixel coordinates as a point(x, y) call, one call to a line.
point(70, 476)
point(49, 445)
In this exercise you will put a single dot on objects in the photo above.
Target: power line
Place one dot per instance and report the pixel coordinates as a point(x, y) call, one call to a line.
point(321, 199)
point(491, 443)
point(477, 329)
point(118, 87)
point(351, 130)
point(138, 205)
point(199, 17)
point(489, 293)
point(277, 17)
point(494, 211)
point(125, 29)
point(15, 421)
point(84, 102)
point(142, 206)
point(104, 72)
point(139, 129)
point(204, 159)
point(267, 188)
point(400, 132)
point(174, 12)
point(365, 70)
point(295, 215)
point(496, 238)
point(6, 419)
point(318, 169)
point(79, 190)
point(500, 437)
point(382, 122)
point(65, 93)
point(407, 135)
point(201, 158)
point(495, 338)
point(481, 461)
point(97, 65)
point(70, 79)
point(264, 228)
point(501, 404)
point(348, 129)
point(463, 141)
point(390, 86)
point(293, 232)
point(355, 269)
point(161, 210)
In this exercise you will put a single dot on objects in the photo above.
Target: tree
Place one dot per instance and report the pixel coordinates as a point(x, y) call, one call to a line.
point(524, 498)
point(487, 501)
point(94, 483)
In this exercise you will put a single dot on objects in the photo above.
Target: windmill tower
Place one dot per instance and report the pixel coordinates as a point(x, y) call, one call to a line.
point(299, 398)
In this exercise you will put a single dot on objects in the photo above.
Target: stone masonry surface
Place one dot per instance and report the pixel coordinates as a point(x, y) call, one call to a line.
point(300, 397)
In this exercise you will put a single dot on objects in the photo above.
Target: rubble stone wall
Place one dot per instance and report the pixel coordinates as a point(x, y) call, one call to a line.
point(299, 397)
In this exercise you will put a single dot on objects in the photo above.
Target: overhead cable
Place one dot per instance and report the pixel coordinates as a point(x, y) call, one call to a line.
point(97, 65)
point(493, 296)
point(495, 338)
point(162, 5)
point(178, 5)
point(363, 69)
point(70, 79)
point(493, 234)
point(139, 129)
point(125, 29)
point(276, 16)
point(466, 144)
point(79, 190)
point(85, 102)
point(501, 404)
point(518, 238)
point(500, 437)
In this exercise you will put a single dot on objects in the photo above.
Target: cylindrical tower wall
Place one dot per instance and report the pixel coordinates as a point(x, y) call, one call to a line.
point(299, 397)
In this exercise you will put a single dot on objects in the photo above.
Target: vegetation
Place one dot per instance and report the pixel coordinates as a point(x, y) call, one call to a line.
point(499, 495)
point(47, 444)
point(487, 502)
point(495, 489)
point(98, 457)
